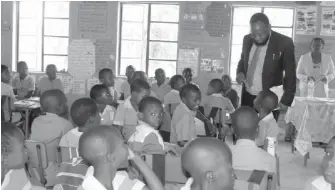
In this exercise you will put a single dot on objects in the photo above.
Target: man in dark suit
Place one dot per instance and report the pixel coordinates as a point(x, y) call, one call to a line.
point(267, 60)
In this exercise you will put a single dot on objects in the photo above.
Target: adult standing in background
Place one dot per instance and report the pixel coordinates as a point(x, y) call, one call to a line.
point(125, 86)
point(266, 55)
point(317, 67)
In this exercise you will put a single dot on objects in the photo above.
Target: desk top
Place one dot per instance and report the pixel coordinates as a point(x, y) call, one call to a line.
point(27, 103)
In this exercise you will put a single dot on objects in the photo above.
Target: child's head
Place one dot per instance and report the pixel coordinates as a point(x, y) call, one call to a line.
point(129, 72)
point(209, 162)
point(266, 100)
point(51, 71)
point(214, 86)
point(245, 122)
point(106, 77)
point(177, 81)
point(160, 76)
point(103, 148)
point(13, 152)
point(139, 89)
point(22, 68)
point(85, 113)
point(191, 96)
point(54, 101)
point(5, 74)
point(151, 111)
point(139, 75)
point(101, 94)
point(226, 82)
point(328, 162)
point(187, 74)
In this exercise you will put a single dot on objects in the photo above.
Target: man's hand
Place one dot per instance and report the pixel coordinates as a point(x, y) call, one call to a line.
point(324, 79)
point(240, 78)
point(282, 107)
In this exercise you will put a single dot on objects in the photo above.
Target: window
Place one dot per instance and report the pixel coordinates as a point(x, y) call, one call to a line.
point(43, 34)
point(149, 36)
point(281, 20)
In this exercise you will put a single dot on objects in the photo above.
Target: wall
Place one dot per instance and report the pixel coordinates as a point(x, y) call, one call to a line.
point(210, 47)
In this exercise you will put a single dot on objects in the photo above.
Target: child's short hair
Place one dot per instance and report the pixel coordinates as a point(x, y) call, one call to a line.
point(51, 98)
point(21, 63)
point(186, 70)
point(51, 66)
point(187, 88)
point(159, 70)
point(138, 85)
point(174, 80)
point(4, 68)
point(224, 77)
point(8, 132)
point(139, 75)
point(103, 71)
point(269, 100)
point(97, 90)
point(82, 109)
point(217, 85)
point(146, 101)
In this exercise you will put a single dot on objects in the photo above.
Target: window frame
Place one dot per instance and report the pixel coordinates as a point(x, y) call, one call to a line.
point(148, 40)
point(262, 7)
point(16, 19)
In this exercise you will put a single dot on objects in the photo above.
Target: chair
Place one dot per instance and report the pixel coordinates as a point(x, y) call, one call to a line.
point(256, 179)
point(40, 154)
point(4, 99)
point(265, 147)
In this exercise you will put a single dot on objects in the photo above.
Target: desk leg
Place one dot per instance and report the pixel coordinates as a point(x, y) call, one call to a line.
point(306, 157)
point(27, 124)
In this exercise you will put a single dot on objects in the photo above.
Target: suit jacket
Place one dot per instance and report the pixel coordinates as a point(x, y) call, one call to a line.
point(279, 57)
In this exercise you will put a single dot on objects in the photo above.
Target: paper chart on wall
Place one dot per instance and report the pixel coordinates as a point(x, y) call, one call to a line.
point(328, 21)
point(211, 66)
point(67, 81)
point(91, 82)
point(188, 58)
point(306, 20)
point(78, 87)
point(81, 59)
point(92, 19)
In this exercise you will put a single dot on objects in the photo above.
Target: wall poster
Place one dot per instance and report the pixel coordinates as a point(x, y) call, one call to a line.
point(328, 21)
point(306, 20)
point(188, 58)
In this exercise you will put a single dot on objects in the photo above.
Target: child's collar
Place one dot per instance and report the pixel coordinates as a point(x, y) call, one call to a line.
point(175, 91)
point(268, 117)
point(216, 95)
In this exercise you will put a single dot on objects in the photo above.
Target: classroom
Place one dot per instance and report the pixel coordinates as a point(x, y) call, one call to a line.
point(201, 95)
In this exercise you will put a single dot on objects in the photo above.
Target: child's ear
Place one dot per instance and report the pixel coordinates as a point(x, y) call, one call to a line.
point(210, 176)
point(140, 115)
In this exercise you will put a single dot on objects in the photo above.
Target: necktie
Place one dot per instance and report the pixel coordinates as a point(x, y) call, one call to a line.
point(252, 66)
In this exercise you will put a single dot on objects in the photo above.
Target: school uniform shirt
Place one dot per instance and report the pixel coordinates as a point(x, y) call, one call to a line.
point(71, 138)
point(188, 184)
point(146, 140)
point(107, 116)
point(23, 86)
point(318, 183)
point(7, 90)
point(16, 179)
point(46, 84)
point(172, 98)
point(258, 159)
point(114, 93)
point(268, 127)
point(183, 127)
point(49, 127)
point(126, 116)
point(125, 89)
point(218, 101)
point(161, 90)
point(121, 181)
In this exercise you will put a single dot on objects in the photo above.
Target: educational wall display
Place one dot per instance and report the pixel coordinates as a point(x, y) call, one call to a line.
point(79, 87)
point(92, 19)
point(193, 18)
point(188, 58)
point(81, 59)
point(67, 83)
point(211, 66)
point(91, 82)
point(217, 20)
point(306, 20)
point(105, 51)
point(328, 21)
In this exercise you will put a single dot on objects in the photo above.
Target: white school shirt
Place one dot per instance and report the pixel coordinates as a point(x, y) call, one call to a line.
point(107, 116)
